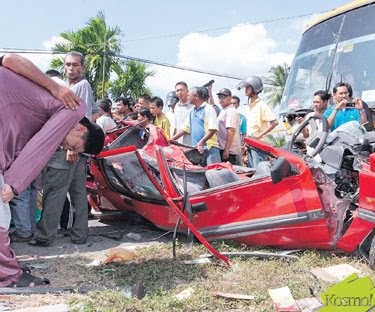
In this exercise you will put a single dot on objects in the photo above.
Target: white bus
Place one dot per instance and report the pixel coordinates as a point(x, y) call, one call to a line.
point(337, 47)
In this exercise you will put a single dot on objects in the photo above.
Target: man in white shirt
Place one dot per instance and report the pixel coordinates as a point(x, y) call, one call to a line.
point(105, 120)
point(182, 110)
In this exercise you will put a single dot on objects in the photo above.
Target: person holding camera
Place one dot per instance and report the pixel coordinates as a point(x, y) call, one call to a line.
point(211, 100)
point(344, 109)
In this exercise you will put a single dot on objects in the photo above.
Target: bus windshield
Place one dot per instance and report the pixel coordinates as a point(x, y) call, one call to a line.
point(340, 49)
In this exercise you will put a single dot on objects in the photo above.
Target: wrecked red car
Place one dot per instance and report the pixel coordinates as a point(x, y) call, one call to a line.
point(322, 198)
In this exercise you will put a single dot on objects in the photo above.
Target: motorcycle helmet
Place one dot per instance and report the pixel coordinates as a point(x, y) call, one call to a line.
point(254, 81)
point(171, 99)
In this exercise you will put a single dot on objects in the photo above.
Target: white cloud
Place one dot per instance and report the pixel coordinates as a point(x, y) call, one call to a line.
point(243, 51)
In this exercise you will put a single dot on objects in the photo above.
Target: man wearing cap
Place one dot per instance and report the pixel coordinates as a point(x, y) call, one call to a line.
point(202, 125)
point(66, 170)
point(28, 141)
point(229, 132)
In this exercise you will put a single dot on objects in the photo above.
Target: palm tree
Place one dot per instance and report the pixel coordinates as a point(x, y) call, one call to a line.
point(131, 82)
point(277, 81)
point(100, 45)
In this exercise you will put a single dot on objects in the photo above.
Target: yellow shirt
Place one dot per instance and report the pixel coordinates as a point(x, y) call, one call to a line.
point(258, 117)
point(163, 123)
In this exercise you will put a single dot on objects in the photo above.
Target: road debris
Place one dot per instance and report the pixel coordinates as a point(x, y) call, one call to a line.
point(136, 291)
point(311, 304)
point(186, 293)
point(283, 299)
point(232, 296)
point(197, 261)
point(62, 307)
point(119, 255)
point(255, 254)
point(48, 290)
point(334, 273)
point(134, 236)
point(94, 263)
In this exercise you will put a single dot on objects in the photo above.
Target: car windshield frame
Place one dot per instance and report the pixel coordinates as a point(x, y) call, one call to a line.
point(126, 174)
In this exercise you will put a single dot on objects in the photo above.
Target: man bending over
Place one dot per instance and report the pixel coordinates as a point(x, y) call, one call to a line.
point(37, 116)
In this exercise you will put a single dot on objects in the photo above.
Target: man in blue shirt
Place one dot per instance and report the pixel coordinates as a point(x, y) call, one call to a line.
point(202, 125)
point(344, 109)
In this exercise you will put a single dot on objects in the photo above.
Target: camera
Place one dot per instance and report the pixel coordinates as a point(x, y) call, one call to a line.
point(208, 83)
point(350, 104)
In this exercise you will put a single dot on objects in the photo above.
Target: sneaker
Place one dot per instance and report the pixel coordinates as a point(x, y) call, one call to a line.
point(15, 237)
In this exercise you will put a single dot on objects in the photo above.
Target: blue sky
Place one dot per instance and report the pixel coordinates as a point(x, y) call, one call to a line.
point(247, 39)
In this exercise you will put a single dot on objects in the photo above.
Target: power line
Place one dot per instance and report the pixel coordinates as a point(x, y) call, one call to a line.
point(224, 27)
point(28, 51)
point(40, 51)
point(180, 67)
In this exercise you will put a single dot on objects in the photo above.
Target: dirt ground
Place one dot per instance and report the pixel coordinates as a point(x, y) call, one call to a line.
point(50, 262)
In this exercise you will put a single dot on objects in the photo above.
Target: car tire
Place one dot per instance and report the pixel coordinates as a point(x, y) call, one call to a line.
point(371, 256)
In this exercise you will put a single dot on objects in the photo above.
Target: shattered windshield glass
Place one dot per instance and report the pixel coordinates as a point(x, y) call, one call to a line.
point(125, 174)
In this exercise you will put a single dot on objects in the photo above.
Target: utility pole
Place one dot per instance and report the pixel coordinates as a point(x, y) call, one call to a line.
point(103, 73)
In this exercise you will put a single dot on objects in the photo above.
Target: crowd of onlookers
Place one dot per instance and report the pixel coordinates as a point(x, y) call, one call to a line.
point(192, 117)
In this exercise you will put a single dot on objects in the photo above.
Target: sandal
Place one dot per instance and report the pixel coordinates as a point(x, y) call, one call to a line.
point(29, 280)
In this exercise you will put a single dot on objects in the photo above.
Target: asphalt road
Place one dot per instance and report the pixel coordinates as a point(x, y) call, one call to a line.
point(103, 235)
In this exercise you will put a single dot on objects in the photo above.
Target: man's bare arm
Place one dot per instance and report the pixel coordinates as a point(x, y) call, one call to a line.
point(178, 134)
point(207, 136)
point(271, 125)
point(24, 67)
point(230, 136)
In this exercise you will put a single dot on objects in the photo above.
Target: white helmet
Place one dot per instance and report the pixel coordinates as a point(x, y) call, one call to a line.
point(254, 81)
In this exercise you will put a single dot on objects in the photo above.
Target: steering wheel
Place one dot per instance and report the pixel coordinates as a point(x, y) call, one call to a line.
point(316, 137)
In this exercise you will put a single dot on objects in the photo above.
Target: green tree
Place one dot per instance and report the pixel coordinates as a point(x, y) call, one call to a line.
point(131, 82)
point(277, 81)
point(100, 44)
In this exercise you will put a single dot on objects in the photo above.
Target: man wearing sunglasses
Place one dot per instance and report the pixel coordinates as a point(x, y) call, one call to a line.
point(229, 132)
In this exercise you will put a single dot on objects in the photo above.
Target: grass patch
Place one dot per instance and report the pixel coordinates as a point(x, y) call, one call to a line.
point(164, 277)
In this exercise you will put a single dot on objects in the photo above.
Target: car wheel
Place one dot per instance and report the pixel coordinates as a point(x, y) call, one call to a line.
point(371, 256)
